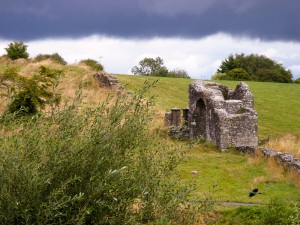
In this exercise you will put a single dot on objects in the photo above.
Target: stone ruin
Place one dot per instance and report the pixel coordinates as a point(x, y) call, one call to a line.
point(223, 116)
point(106, 80)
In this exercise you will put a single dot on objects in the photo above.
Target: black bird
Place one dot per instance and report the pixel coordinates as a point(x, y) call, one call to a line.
point(254, 192)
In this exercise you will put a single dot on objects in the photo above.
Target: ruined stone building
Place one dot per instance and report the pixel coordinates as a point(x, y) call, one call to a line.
point(223, 116)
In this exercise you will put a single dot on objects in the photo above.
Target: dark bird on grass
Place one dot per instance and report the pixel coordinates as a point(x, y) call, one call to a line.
point(254, 192)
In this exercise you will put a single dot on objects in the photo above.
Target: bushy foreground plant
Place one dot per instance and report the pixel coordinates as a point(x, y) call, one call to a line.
point(28, 95)
point(94, 166)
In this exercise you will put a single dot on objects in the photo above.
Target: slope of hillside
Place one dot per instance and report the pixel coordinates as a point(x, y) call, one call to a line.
point(277, 104)
point(75, 75)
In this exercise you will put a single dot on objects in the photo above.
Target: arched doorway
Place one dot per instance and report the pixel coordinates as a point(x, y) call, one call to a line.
point(200, 118)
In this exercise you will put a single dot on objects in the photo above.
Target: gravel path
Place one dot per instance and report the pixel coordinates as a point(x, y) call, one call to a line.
point(237, 204)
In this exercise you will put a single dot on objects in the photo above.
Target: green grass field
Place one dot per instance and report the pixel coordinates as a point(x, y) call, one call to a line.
point(277, 104)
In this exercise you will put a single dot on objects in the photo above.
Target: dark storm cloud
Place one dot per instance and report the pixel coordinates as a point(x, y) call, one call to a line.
point(34, 19)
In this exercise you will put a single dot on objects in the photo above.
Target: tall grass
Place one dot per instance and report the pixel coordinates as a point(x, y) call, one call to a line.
point(90, 166)
point(275, 213)
point(289, 143)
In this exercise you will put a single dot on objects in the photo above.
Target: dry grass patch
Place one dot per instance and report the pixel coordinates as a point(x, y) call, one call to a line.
point(280, 173)
point(289, 143)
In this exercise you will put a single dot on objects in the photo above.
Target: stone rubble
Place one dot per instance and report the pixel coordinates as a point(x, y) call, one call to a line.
point(106, 80)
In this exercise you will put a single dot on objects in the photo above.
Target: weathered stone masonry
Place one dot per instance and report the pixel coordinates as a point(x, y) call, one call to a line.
point(221, 115)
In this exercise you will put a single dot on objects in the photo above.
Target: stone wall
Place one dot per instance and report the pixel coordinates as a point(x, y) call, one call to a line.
point(286, 160)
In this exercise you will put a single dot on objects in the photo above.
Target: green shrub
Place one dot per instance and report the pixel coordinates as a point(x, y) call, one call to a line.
point(297, 81)
point(93, 64)
point(178, 73)
point(55, 57)
point(17, 50)
point(95, 166)
point(27, 95)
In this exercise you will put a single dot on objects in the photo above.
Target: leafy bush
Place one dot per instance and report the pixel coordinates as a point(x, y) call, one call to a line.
point(93, 64)
point(297, 81)
point(236, 74)
point(94, 166)
point(17, 50)
point(27, 95)
point(178, 73)
point(55, 57)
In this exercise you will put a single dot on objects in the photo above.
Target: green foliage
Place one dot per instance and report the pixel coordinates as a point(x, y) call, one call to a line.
point(178, 73)
point(155, 67)
point(275, 213)
point(151, 67)
point(55, 57)
point(253, 67)
point(93, 64)
point(17, 50)
point(297, 81)
point(236, 74)
point(228, 64)
point(94, 166)
point(218, 76)
point(27, 95)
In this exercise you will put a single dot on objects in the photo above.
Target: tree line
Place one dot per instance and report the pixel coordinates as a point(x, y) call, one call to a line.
point(252, 67)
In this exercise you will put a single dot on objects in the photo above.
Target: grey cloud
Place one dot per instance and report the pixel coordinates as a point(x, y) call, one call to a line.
point(34, 19)
point(175, 7)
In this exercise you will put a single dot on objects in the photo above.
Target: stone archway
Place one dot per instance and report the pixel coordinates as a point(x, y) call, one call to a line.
point(200, 118)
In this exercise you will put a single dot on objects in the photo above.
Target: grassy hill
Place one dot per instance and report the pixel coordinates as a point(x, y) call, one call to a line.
point(277, 104)
point(224, 177)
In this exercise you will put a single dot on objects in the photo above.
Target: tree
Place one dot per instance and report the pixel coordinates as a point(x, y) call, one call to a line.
point(17, 50)
point(28, 95)
point(256, 67)
point(151, 67)
point(228, 64)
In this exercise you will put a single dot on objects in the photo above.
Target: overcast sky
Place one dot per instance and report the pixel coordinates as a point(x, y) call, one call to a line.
point(195, 35)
